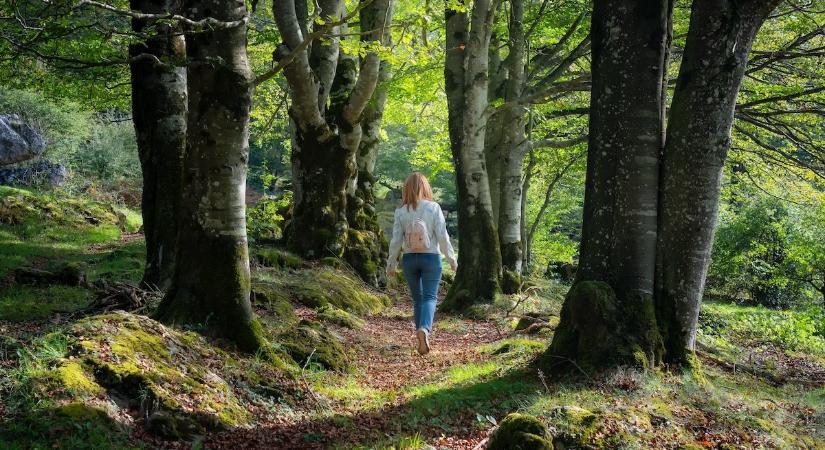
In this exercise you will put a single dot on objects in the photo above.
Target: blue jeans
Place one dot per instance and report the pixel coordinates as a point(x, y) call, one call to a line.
point(423, 273)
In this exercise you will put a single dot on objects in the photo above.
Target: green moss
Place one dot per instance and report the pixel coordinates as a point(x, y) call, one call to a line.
point(74, 426)
point(140, 357)
point(576, 426)
point(520, 432)
point(310, 344)
point(277, 258)
point(598, 331)
point(22, 303)
point(516, 345)
point(511, 282)
point(74, 377)
point(365, 252)
point(323, 286)
point(340, 317)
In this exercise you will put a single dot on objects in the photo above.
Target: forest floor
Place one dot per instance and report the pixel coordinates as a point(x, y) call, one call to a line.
point(357, 381)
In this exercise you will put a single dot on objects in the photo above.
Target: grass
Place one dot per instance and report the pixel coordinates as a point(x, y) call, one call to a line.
point(19, 303)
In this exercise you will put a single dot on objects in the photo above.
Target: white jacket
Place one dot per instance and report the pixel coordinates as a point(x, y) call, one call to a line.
point(431, 214)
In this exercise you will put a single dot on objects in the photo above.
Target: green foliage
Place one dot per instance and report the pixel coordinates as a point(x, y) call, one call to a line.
point(98, 147)
point(767, 252)
point(725, 325)
point(264, 219)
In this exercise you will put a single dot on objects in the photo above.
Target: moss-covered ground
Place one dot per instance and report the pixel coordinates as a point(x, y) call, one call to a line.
point(78, 379)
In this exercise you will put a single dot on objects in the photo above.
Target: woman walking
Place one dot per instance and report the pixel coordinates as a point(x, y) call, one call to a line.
point(419, 228)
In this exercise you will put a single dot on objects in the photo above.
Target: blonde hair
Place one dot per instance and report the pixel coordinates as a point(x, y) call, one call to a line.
point(416, 187)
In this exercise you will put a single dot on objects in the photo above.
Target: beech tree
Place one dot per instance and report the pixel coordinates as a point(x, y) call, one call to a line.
point(211, 283)
point(159, 115)
point(330, 90)
point(466, 85)
point(507, 141)
point(650, 207)
point(699, 128)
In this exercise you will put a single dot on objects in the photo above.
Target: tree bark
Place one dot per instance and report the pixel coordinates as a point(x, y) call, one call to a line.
point(512, 151)
point(330, 90)
point(719, 39)
point(211, 283)
point(466, 77)
point(159, 116)
point(608, 316)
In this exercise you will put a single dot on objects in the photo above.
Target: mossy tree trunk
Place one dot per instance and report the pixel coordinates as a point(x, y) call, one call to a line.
point(159, 115)
point(211, 282)
point(719, 39)
point(611, 303)
point(367, 248)
point(466, 77)
point(330, 91)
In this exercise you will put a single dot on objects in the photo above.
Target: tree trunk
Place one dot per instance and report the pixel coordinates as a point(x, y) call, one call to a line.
point(718, 42)
point(330, 91)
point(512, 151)
point(608, 316)
point(159, 116)
point(367, 247)
point(466, 74)
point(211, 282)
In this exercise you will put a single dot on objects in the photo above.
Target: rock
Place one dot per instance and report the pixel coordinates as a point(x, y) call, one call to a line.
point(520, 432)
point(562, 271)
point(40, 173)
point(532, 324)
point(311, 343)
point(19, 141)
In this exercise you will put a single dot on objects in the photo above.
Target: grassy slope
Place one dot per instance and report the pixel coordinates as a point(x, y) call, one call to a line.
point(453, 400)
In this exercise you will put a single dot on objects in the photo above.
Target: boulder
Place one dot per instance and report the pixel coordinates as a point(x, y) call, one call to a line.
point(39, 173)
point(520, 432)
point(19, 141)
point(562, 271)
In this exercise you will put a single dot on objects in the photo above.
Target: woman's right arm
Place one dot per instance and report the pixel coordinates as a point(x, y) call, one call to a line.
point(395, 242)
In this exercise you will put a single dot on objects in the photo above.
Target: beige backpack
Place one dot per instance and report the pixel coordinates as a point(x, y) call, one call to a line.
point(416, 236)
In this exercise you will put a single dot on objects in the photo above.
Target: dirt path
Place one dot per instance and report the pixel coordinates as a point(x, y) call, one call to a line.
point(386, 362)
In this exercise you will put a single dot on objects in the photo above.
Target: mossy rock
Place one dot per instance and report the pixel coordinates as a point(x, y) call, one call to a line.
point(156, 368)
point(575, 426)
point(277, 258)
point(338, 316)
point(310, 343)
point(520, 432)
point(322, 286)
point(533, 324)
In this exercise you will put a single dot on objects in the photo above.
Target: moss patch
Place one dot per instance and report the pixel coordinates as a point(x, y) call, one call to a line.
point(21, 303)
point(337, 316)
point(277, 258)
point(311, 345)
point(520, 432)
point(154, 365)
point(322, 286)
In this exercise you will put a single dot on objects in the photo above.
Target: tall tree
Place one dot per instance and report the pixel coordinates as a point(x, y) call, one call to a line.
point(466, 84)
point(211, 283)
point(330, 90)
point(507, 142)
point(608, 316)
point(719, 40)
point(159, 115)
